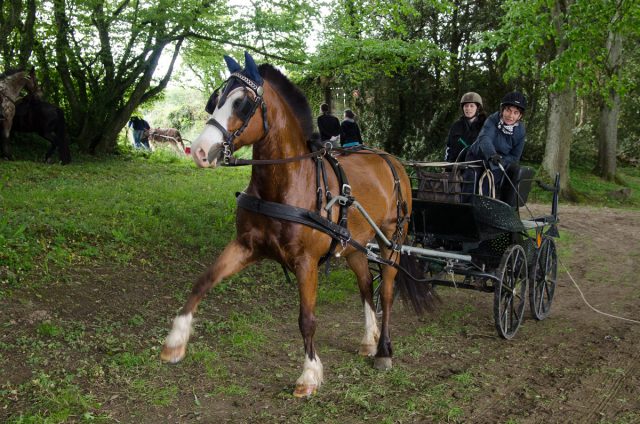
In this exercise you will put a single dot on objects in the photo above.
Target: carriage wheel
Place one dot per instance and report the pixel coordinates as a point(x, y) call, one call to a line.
point(376, 272)
point(510, 291)
point(543, 279)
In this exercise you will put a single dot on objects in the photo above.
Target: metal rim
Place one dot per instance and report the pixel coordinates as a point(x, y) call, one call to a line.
point(376, 273)
point(510, 291)
point(543, 279)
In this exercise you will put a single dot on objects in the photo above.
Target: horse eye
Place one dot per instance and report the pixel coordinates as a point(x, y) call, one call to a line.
point(236, 104)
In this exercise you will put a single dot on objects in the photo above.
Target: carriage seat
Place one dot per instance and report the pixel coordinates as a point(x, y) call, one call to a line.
point(522, 178)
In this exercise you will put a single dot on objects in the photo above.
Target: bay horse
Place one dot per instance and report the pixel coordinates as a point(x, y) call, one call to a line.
point(11, 83)
point(259, 106)
point(34, 115)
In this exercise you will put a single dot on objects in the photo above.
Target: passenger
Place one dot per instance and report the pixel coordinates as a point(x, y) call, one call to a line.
point(465, 130)
point(328, 125)
point(501, 140)
point(349, 130)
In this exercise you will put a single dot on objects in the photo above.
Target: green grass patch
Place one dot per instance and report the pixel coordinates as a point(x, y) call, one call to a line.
point(339, 287)
point(115, 209)
point(53, 400)
point(593, 190)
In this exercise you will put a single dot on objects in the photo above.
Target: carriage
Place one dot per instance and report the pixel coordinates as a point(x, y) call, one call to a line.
point(465, 240)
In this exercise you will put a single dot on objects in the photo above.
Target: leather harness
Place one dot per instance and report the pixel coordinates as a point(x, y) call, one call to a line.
point(337, 231)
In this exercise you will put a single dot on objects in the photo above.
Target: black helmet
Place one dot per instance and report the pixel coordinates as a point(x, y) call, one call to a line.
point(471, 97)
point(514, 98)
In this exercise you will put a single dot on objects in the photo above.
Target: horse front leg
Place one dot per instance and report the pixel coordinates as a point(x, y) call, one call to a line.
point(233, 259)
point(4, 135)
point(312, 372)
point(360, 266)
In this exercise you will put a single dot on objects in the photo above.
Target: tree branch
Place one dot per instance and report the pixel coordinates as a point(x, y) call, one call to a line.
point(244, 46)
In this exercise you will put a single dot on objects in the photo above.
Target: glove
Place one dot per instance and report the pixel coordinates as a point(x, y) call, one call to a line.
point(496, 159)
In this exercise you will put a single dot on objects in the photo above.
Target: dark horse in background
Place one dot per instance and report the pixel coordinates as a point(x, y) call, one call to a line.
point(34, 115)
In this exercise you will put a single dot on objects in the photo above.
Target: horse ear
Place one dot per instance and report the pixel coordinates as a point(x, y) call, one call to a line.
point(232, 64)
point(251, 68)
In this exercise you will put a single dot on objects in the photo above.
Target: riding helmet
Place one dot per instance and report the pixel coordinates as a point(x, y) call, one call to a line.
point(471, 97)
point(515, 98)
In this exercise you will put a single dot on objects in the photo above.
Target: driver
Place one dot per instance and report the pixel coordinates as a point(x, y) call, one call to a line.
point(501, 140)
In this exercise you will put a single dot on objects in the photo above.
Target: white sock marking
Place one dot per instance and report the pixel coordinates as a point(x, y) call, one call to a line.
point(371, 331)
point(180, 332)
point(312, 373)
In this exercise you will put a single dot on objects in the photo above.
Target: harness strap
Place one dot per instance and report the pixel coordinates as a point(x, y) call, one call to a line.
point(305, 217)
point(401, 206)
point(292, 213)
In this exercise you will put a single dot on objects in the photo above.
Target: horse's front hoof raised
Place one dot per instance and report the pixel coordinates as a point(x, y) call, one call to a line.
point(368, 350)
point(173, 355)
point(305, 390)
point(382, 364)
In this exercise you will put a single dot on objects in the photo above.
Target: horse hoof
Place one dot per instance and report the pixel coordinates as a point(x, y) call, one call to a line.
point(367, 350)
point(305, 390)
point(173, 355)
point(382, 364)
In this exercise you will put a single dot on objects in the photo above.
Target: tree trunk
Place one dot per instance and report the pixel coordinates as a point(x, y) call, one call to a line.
point(608, 137)
point(560, 123)
point(609, 112)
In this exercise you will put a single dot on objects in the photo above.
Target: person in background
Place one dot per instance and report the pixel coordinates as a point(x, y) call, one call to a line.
point(501, 140)
point(328, 125)
point(139, 125)
point(465, 130)
point(349, 130)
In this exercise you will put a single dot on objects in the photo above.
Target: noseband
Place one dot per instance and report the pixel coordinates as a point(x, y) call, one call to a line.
point(244, 111)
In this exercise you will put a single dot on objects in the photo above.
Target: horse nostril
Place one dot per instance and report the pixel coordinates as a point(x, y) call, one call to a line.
point(201, 154)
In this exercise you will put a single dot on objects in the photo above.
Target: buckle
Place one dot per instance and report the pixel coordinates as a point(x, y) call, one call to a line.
point(346, 190)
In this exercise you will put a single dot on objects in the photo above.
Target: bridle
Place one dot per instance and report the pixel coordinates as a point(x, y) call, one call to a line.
point(244, 111)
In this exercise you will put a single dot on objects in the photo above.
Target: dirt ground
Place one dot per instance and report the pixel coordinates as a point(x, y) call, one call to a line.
point(575, 366)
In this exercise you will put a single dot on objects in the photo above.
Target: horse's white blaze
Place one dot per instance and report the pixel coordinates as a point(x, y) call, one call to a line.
point(180, 332)
point(211, 137)
point(312, 374)
point(371, 331)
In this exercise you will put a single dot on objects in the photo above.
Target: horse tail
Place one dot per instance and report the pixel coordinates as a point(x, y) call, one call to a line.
point(61, 137)
point(412, 285)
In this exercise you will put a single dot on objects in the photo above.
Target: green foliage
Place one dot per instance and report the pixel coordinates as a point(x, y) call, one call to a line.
point(544, 40)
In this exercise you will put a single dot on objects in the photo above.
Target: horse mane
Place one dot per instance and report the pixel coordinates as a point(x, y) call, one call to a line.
point(296, 100)
point(10, 72)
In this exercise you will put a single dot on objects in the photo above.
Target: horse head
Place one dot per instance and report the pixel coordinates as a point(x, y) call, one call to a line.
point(31, 84)
point(13, 81)
point(233, 122)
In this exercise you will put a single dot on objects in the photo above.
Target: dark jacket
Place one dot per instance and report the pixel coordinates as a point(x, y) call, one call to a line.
point(349, 132)
point(492, 140)
point(462, 135)
point(328, 125)
point(139, 124)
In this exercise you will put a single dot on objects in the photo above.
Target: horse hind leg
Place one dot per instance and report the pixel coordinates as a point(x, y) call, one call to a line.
point(233, 259)
point(384, 352)
point(52, 139)
point(360, 266)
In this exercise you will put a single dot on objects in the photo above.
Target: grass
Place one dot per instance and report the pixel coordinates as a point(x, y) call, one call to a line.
point(153, 221)
point(114, 210)
point(594, 191)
